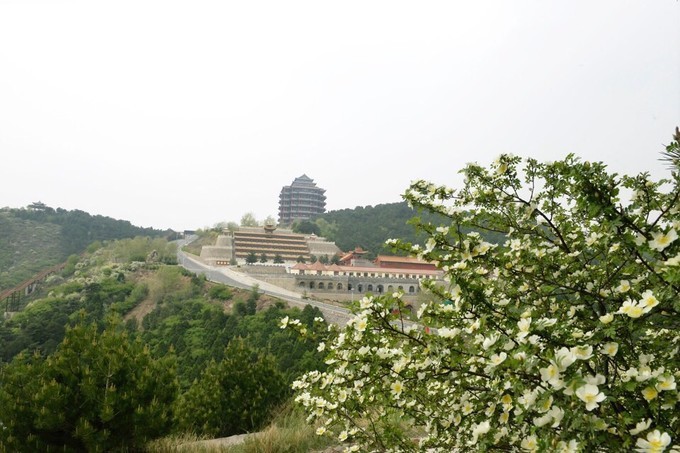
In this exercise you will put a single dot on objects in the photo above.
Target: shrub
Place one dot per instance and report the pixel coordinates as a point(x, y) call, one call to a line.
point(220, 292)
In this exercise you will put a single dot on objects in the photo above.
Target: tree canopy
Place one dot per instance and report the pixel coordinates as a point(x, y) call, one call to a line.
point(235, 395)
point(306, 227)
point(251, 258)
point(96, 392)
point(248, 220)
point(370, 226)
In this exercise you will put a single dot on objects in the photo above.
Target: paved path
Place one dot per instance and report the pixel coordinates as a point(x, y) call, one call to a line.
point(227, 276)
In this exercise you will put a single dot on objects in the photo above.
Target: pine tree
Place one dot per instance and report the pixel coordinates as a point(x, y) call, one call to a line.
point(96, 392)
point(233, 396)
point(251, 258)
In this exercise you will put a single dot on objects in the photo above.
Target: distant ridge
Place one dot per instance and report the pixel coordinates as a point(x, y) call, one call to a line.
point(37, 237)
point(370, 226)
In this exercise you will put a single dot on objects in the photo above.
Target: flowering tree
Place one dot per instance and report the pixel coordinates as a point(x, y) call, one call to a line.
point(563, 338)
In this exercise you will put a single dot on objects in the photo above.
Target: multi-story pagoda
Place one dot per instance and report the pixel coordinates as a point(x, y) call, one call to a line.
point(301, 201)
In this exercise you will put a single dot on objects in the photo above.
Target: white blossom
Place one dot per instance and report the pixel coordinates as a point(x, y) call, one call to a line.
point(662, 240)
point(641, 426)
point(655, 442)
point(591, 395)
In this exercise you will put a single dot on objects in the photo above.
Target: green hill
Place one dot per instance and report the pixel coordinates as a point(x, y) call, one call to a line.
point(366, 227)
point(38, 236)
point(26, 247)
point(370, 226)
point(152, 349)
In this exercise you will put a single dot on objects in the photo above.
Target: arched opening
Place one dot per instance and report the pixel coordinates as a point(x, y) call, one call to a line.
point(380, 289)
point(311, 285)
point(349, 287)
point(401, 288)
point(360, 287)
point(369, 288)
point(339, 286)
point(390, 288)
point(411, 289)
point(321, 285)
point(302, 284)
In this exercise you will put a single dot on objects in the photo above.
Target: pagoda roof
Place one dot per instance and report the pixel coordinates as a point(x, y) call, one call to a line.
point(358, 251)
point(317, 266)
point(303, 180)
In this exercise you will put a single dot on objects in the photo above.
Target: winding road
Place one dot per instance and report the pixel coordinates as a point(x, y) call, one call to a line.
point(227, 276)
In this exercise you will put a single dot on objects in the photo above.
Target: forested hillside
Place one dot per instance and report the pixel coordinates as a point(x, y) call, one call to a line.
point(39, 236)
point(125, 351)
point(369, 227)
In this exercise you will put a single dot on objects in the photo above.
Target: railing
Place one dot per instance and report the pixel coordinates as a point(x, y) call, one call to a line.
point(15, 294)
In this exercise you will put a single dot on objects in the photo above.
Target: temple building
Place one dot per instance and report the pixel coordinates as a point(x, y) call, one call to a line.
point(356, 275)
point(234, 246)
point(301, 200)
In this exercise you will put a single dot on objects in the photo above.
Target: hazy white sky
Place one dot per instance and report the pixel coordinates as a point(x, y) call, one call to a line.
point(182, 114)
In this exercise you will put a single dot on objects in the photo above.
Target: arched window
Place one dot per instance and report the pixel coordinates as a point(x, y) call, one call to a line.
point(349, 287)
point(390, 288)
point(411, 289)
point(321, 285)
point(302, 284)
point(311, 285)
point(339, 287)
point(380, 289)
point(401, 288)
point(360, 287)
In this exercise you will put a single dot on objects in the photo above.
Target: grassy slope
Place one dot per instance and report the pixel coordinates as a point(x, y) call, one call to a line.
point(205, 238)
point(289, 432)
point(26, 247)
point(34, 239)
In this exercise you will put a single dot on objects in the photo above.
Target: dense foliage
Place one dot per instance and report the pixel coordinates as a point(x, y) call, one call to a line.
point(563, 338)
point(79, 228)
point(195, 330)
point(38, 236)
point(234, 395)
point(96, 392)
point(26, 247)
point(370, 226)
point(98, 285)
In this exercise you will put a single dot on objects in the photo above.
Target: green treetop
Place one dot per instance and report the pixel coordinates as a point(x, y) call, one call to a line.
point(96, 392)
